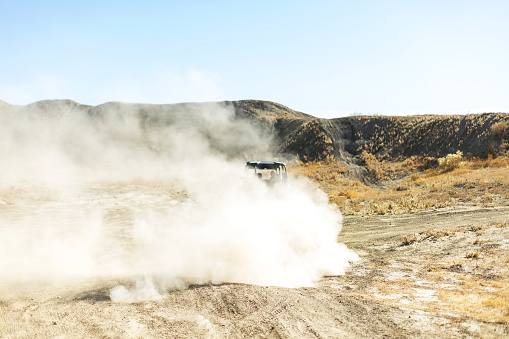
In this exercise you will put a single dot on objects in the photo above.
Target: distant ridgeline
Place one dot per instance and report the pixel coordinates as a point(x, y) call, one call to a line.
point(295, 134)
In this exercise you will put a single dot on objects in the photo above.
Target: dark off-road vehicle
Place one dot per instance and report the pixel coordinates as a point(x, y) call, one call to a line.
point(271, 172)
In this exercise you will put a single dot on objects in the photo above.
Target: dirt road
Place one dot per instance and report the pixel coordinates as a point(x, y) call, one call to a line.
point(424, 285)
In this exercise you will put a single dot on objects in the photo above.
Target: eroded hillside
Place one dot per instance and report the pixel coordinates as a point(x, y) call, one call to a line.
point(296, 135)
point(386, 137)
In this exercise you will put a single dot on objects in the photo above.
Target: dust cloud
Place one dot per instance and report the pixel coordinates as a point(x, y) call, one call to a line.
point(155, 199)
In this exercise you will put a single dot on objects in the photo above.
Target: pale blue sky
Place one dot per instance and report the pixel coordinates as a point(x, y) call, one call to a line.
point(326, 58)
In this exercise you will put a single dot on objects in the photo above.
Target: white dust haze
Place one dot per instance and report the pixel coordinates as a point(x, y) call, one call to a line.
point(141, 194)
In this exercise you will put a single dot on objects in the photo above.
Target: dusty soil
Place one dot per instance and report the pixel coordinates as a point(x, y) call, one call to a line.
point(445, 269)
point(409, 283)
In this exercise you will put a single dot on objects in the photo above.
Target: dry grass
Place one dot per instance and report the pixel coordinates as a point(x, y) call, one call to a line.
point(328, 172)
point(473, 254)
point(484, 300)
point(473, 182)
point(499, 129)
point(489, 162)
point(431, 233)
point(11, 195)
point(457, 274)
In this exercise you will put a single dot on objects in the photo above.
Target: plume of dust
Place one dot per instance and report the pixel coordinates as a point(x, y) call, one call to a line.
point(196, 224)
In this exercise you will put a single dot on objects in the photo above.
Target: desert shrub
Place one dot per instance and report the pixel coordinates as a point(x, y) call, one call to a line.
point(499, 162)
point(368, 159)
point(409, 162)
point(373, 165)
point(486, 199)
point(432, 234)
point(473, 254)
point(475, 228)
point(438, 233)
point(404, 186)
point(382, 207)
point(428, 162)
point(501, 224)
point(415, 176)
point(351, 194)
point(416, 179)
point(499, 129)
point(409, 239)
point(450, 161)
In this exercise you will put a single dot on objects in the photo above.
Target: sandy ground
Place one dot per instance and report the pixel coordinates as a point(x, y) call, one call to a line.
point(411, 288)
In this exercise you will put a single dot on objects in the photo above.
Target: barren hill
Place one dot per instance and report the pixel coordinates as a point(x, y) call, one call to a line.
point(310, 138)
point(387, 137)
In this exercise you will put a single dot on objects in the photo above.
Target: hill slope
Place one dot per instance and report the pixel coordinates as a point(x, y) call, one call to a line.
point(387, 137)
point(310, 138)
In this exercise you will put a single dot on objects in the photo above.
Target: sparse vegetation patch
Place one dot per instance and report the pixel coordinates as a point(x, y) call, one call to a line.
point(450, 162)
point(405, 188)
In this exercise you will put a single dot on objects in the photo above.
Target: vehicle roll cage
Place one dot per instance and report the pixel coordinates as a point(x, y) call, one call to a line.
point(263, 166)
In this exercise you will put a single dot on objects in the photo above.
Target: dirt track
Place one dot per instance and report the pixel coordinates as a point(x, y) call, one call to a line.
point(386, 294)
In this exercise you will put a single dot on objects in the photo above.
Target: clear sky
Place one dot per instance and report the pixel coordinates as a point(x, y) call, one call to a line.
point(326, 58)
